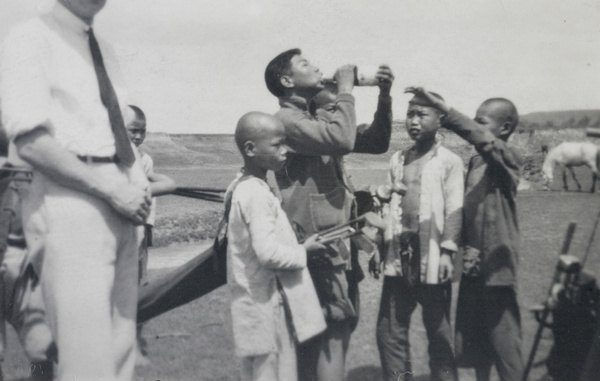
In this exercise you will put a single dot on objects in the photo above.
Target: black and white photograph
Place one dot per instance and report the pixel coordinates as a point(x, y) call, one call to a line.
point(299, 190)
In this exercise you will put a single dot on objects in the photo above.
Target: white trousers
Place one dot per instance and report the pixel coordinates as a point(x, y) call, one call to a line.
point(280, 366)
point(89, 257)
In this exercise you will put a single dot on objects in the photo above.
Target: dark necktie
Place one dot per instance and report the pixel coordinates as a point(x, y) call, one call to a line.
point(110, 101)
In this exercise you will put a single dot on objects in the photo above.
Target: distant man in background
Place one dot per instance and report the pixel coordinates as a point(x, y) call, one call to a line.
point(59, 94)
point(159, 185)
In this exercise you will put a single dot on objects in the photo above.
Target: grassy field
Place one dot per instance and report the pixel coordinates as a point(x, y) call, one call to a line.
point(194, 342)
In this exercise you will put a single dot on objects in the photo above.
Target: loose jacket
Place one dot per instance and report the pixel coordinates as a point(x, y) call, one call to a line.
point(262, 248)
point(440, 211)
point(491, 230)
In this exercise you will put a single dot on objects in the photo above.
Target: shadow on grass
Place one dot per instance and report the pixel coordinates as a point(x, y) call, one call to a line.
point(373, 373)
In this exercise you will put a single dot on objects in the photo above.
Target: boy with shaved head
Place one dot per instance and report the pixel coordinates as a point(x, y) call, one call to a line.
point(488, 327)
point(274, 303)
point(159, 185)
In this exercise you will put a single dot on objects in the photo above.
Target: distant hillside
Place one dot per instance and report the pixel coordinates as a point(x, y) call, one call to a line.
point(545, 120)
point(548, 120)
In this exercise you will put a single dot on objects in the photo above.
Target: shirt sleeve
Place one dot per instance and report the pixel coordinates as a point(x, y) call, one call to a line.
point(376, 137)
point(503, 159)
point(259, 213)
point(147, 163)
point(454, 190)
point(332, 135)
point(25, 92)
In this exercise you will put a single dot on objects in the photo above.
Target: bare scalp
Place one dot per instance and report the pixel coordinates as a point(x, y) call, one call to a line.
point(256, 125)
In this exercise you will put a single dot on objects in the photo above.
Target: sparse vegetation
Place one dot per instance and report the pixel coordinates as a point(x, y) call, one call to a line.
point(553, 120)
point(187, 228)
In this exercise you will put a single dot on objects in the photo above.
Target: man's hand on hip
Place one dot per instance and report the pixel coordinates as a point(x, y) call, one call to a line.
point(132, 202)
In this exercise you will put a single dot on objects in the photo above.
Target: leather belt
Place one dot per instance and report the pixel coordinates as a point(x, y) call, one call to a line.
point(16, 242)
point(98, 159)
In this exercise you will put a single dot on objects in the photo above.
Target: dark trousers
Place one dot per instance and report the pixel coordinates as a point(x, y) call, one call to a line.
point(488, 328)
point(398, 301)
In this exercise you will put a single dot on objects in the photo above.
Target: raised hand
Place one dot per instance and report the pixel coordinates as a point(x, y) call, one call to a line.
point(345, 77)
point(435, 101)
point(386, 79)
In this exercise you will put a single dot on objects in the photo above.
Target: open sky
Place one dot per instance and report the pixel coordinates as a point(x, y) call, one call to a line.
point(196, 66)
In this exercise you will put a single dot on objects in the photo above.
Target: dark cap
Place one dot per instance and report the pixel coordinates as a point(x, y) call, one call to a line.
point(422, 101)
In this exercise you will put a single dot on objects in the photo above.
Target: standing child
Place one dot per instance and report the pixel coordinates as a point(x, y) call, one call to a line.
point(274, 302)
point(488, 323)
point(421, 242)
point(159, 185)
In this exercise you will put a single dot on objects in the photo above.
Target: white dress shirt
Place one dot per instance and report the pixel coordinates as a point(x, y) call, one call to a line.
point(47, 78)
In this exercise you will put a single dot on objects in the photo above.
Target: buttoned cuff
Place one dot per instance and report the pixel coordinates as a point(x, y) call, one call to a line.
point(449, 245)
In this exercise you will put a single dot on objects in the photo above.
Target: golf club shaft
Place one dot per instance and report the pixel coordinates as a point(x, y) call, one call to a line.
point(591, 241)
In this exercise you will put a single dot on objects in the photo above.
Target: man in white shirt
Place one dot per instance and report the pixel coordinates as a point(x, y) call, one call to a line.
point(59, 94)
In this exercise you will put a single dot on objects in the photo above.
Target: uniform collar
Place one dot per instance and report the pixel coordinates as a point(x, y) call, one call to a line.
point(66, 18)
point(293, 101)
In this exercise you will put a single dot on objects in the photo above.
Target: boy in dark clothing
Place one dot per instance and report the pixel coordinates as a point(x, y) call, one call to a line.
point(317, 194)
point(488, 327)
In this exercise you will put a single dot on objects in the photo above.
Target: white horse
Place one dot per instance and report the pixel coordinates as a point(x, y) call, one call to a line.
point(571, 154)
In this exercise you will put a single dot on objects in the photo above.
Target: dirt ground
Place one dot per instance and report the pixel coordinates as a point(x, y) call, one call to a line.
point(194, 342)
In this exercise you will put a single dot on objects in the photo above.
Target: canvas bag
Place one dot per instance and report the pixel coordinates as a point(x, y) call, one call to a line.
point(200, 275)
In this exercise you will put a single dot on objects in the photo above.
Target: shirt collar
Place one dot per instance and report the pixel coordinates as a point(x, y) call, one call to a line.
point(433, 151)
point(66, 18)
point(293, 101)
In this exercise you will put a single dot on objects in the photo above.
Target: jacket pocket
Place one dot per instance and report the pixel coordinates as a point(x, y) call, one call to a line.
point(330, 209)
